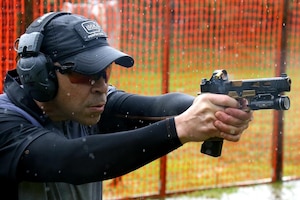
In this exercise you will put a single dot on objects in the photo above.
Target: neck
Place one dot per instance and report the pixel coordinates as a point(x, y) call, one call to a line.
point(49, 108)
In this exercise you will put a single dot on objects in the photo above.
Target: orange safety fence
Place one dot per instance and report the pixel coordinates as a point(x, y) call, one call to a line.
point(175, 44)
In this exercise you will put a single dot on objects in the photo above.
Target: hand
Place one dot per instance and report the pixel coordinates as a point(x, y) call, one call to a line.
point(213, 115)
point(232, 122)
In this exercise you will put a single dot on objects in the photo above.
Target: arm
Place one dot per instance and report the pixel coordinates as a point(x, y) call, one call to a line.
point(125, 111)
point(211, 112)
point(105, 156)
point(52, 157)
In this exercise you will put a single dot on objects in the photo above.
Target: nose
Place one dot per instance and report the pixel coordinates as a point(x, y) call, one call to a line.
point(99, 86)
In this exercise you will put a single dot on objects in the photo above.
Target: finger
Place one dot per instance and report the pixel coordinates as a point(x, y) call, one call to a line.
point(230, 137)
point(204, 104)
point(229, 129)
point(222, 127)
point(243, 102)
point(239, 114)
point(228, 119)
point(224, 100)
point(231, 120)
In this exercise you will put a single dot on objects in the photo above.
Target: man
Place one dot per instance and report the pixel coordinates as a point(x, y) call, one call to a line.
point(63, 129)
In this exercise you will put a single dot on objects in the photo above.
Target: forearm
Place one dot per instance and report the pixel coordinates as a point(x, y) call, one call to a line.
point(127, 111)
point(96, 157)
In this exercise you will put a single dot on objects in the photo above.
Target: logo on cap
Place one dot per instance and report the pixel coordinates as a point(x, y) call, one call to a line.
point(90, 30)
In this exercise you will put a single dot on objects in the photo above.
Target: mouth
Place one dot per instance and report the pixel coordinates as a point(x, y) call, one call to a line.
point(97, 107)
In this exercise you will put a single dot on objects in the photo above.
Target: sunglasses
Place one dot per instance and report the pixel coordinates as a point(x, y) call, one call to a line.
point(78, 78)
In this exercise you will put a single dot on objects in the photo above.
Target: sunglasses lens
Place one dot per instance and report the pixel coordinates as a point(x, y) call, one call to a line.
point(78, 78)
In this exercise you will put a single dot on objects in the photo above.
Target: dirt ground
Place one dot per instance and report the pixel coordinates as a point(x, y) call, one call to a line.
point(289, 190)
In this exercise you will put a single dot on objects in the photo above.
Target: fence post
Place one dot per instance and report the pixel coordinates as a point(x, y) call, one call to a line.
point(166, 47)
point(278, 123)
point(28, 14)
point(165, 86)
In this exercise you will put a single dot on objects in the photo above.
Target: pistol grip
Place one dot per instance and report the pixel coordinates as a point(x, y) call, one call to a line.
point(212, 147)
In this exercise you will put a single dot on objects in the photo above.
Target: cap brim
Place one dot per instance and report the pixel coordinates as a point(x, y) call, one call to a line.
point(94, 60)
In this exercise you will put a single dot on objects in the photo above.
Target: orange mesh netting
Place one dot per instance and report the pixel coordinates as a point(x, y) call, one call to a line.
point(175, 44)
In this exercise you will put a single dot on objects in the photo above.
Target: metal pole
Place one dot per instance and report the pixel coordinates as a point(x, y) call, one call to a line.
point(165, 86)
point(278, 125)
point(166, 47)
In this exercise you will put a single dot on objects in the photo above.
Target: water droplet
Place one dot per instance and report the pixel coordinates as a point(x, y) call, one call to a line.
point(92, 156)
point(29, 137)
point(93, 82)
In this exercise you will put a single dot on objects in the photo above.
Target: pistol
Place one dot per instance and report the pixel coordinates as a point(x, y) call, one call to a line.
point(263, 93)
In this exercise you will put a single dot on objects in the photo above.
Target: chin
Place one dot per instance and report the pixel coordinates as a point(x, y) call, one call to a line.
point(91, 121)
point(87, 120)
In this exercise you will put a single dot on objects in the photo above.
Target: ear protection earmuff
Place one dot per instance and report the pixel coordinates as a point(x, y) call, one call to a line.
point(35, 69)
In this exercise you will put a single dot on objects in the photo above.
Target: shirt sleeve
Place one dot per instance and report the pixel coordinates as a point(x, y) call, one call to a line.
point(16, 133)
point(53, 158)
point(125, 111)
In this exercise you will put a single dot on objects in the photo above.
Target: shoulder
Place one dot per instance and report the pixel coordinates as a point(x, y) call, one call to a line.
point(16, 133)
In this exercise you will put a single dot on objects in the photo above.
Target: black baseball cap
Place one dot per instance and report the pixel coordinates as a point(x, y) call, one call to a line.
point(75, 39)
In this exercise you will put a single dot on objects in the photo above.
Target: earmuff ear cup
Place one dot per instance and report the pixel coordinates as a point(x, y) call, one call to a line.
point(38, 77)
point(36, 70)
